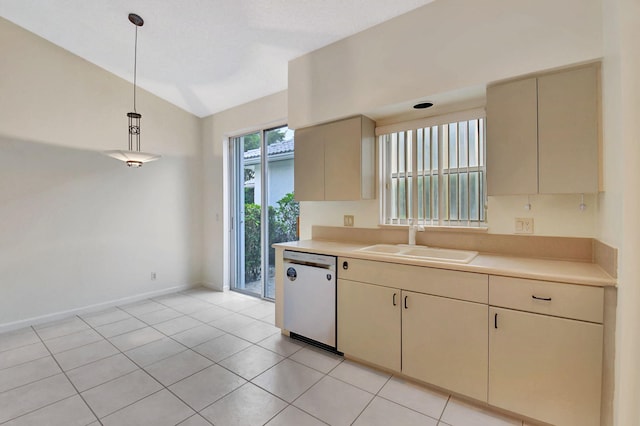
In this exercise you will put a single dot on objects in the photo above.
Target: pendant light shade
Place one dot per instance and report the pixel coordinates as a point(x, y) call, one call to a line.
point(133, 157)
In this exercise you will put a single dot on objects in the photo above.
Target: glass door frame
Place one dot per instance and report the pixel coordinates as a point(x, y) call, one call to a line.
point(236, 203)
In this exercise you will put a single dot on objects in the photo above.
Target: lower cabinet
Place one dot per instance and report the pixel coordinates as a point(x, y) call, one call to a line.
point(369, 323)
point(530, 347)
point(445, 343)
point(545, 367)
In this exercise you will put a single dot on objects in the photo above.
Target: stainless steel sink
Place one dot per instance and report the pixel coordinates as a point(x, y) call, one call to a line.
point(423, 252)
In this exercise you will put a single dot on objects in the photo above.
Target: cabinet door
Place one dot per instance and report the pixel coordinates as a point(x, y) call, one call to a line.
point(568, 131)
point(342, 159)
point(444, 342)
point(308, 167)
point(512, 138)
point(544, 367)
point(369, 323)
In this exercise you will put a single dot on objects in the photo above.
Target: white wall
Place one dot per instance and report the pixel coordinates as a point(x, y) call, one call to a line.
point(78, 228)
point(444, 46)
point(269, 111)
point(620, 211)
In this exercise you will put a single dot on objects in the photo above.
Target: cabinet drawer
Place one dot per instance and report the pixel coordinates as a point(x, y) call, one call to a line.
point(439, 282)
point(558, 299)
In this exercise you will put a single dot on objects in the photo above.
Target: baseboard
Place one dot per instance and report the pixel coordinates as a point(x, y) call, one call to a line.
point(212, 286)
point(88, 309)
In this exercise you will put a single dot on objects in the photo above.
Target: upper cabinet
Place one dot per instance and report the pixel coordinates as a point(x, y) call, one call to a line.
point(335, 161)
point(543, 134)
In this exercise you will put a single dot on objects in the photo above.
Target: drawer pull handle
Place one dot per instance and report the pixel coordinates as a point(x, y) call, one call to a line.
point(546, 299)
point(405, 302)
point(394, 299)
point(495, 321)
point(345, 265)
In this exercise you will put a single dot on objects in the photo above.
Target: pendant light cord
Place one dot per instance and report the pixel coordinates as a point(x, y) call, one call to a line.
point(135, 68)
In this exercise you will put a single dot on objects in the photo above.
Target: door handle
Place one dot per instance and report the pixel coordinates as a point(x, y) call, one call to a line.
point(394, 299)
point(405, 302)
point(495, 321)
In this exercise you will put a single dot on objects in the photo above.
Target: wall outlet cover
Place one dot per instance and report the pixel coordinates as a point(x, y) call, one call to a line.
point(524, 225)
point(348, 220)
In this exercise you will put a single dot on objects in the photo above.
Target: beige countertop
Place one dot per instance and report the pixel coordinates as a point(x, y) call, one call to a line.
point(540, 269)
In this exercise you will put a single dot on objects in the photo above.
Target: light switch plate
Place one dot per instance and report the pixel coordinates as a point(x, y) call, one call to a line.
point(348, 220)
point(524, 225)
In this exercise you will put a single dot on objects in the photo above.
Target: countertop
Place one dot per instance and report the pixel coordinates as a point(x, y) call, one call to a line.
point(540, 269)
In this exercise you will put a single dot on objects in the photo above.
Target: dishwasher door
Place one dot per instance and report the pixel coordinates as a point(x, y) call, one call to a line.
point(310, 301)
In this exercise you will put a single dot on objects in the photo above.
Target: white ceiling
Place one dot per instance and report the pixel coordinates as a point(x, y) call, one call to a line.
point(202, 55)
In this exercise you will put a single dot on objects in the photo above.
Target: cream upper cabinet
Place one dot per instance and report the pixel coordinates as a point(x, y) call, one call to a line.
point(335, 161)
point(543, 134)
point(445, 343)
point(568, 132)
point(369, 323)
point(512, 139)
point(308, 170)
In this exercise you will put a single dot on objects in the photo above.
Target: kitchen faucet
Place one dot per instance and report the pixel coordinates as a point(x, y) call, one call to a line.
point(413, 229)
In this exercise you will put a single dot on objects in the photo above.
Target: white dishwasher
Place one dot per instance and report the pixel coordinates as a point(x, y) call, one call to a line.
point(310, 297)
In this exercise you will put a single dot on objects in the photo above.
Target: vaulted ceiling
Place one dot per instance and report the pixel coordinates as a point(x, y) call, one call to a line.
point(202, 55)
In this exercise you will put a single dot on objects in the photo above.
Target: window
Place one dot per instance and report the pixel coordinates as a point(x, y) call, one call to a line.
point(434, 173)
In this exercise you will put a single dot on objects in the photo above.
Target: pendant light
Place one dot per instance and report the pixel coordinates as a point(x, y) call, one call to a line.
point(133, 157)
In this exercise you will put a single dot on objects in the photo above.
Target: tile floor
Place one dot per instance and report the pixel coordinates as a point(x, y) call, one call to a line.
point(199, 358)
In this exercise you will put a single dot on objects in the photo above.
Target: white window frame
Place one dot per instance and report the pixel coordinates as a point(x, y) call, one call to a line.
point(411, 207)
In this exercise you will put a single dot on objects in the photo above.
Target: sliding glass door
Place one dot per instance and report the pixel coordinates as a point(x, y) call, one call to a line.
point(263, 211)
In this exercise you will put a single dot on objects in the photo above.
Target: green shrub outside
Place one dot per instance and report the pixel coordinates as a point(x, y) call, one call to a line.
point(282, 227)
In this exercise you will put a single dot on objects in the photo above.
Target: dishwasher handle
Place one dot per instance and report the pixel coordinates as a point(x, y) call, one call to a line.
point(309, 259)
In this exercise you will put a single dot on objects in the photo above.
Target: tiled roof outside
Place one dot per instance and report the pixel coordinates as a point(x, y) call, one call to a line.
point(281, 147)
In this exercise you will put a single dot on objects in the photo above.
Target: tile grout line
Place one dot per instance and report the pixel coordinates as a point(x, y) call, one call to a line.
point(213, 305)
point(271, 393)
point(20, 346)
point(26, 362)
point(67, 377)
point(170, 337)
point(153, 393)
point(307, 390)
point(33, 381)
point(444, 409)
point(372, 399)
point(166, 387)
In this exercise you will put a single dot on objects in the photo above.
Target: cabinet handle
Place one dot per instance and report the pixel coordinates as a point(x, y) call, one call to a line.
point(546, 299)
point(405, 302)
point(495, 321)
point(394, 299)
point(345, 265)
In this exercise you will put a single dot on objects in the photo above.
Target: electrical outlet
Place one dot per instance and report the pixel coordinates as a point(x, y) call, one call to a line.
point(524, 225)
point(348, 220)
point(153, 276)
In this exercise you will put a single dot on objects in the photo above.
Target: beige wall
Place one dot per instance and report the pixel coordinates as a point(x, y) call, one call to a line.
point(78, 229)
point(266, 112)
point(445, 46)
point(426, 53)
point(553, 215)
point(619, 224)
